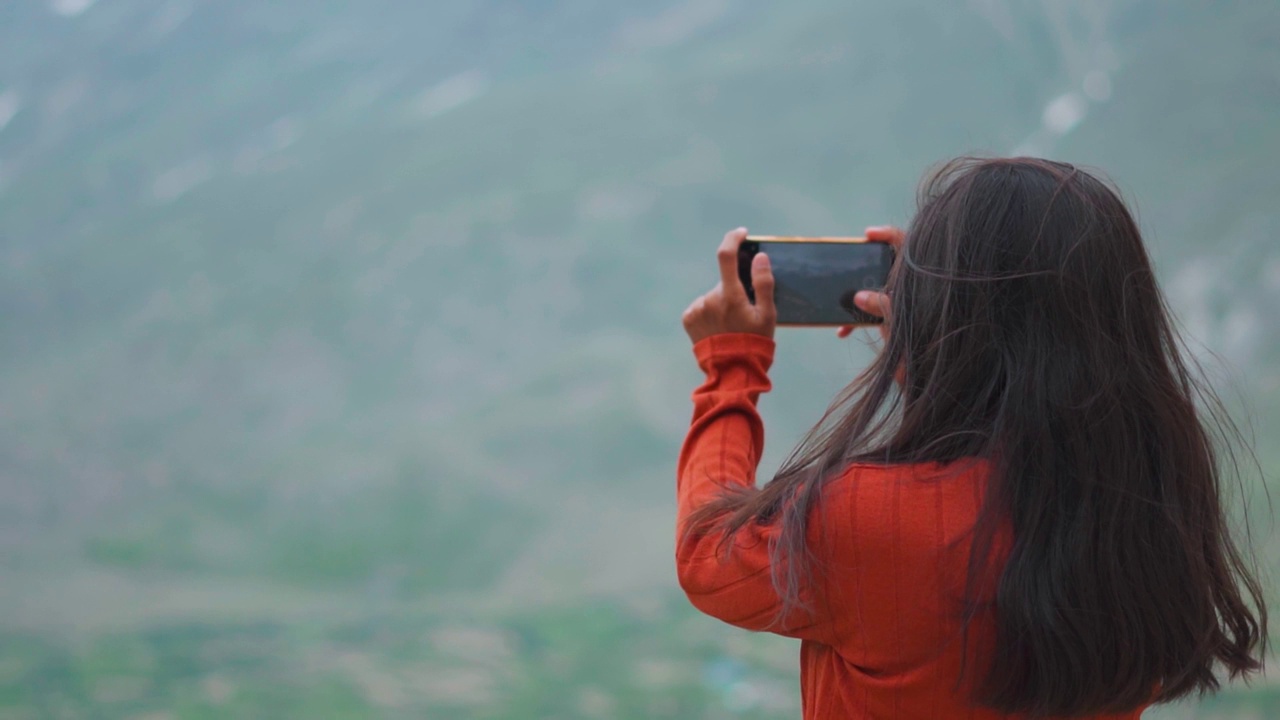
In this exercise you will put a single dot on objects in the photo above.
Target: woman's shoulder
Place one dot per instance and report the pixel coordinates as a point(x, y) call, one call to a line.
point(883, 502)
point(864, 477)
point(915, 471)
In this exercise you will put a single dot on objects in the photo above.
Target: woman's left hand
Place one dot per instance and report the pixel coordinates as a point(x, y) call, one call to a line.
point(726, 309)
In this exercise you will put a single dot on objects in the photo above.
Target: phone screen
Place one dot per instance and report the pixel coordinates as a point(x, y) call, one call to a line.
point(815, 280)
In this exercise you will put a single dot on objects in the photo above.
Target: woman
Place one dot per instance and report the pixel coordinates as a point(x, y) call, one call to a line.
point(1014, 510)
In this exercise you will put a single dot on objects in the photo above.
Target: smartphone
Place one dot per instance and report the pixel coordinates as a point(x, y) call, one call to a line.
point(815, 278)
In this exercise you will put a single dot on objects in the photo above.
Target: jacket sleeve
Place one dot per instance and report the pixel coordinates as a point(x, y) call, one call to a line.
point(721, 450)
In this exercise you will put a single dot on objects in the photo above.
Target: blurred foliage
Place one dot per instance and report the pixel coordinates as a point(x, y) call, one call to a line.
point(589, 661)
point(315, 315)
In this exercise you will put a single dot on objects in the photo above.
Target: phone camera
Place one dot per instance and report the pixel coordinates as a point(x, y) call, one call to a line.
point(870, 282)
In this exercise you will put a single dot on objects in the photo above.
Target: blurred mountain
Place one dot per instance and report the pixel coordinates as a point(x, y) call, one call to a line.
point(384, 295)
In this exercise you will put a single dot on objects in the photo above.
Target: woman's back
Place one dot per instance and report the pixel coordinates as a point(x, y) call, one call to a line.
point(895, 554)
point(903, 540)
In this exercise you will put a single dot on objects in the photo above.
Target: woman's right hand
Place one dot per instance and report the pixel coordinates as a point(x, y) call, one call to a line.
point(870, 301)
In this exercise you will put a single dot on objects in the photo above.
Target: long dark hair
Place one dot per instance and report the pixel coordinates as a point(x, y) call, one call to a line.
point(1027, 329)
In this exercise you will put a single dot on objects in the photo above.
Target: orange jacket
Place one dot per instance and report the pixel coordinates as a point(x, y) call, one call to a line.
point(891, 545)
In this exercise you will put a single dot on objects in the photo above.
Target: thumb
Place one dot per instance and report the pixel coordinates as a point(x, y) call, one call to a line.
point(762, 281)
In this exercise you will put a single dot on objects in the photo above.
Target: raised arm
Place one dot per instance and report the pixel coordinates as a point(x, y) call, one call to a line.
point(734, 581)
point(734, 347)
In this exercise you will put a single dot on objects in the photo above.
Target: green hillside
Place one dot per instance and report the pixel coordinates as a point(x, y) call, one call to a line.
point(334, 329)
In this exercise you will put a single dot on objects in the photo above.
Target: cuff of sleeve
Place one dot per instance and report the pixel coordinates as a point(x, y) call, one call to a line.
point(734, 347)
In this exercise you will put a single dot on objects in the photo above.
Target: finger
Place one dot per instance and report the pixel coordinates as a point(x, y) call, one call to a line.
point(762, 281)
point(692, 312)
point(872, 303)
point(845, 331)
point(885, 234)
point(727, 255)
